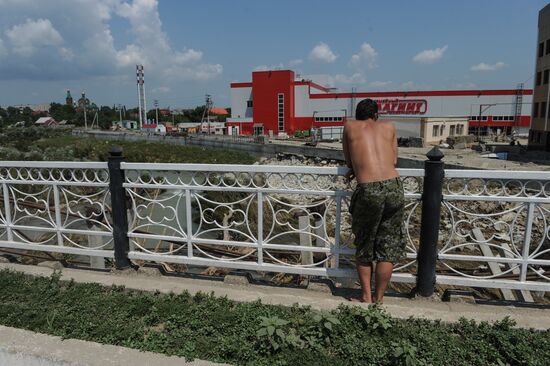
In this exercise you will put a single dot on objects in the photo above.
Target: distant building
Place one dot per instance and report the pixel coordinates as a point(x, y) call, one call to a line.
point(539, 136)
point(154, 128)
point(46, 122)
point(278, 102)
point(36, 108)
point(188, 127)
point(219, 111)
point(84, 102)
point(69, 98)
point(127, 124)
point(213, 128)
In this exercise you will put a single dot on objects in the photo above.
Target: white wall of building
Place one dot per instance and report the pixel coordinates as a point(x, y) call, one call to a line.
point(239, 98)
point(438, 106)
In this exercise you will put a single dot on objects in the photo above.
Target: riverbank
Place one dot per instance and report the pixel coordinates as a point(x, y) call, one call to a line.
point(39, 144)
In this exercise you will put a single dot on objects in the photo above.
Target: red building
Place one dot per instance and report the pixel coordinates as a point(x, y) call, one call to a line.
point(279, 102)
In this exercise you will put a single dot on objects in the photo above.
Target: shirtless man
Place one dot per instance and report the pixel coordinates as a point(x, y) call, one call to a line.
point(377, 205)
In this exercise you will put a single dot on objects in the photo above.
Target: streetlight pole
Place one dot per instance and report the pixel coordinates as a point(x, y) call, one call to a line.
point(481, 110)
point(120, 114)
point(156, 103)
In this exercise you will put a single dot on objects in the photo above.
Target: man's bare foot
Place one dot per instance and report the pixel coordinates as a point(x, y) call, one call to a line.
point(360, 299)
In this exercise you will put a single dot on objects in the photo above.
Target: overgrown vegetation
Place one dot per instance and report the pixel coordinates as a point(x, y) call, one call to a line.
point(219, 329)
point(36, 143)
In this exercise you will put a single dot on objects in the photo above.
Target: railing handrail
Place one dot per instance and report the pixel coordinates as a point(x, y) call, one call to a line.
point(304, 169)
point(498, 174)
point(54, 164)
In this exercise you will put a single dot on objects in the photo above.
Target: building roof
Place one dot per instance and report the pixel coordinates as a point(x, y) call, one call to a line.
point(43, 120)
point(219, 111)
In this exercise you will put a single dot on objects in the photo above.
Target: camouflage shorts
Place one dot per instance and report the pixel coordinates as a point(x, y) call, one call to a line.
point(377, 210)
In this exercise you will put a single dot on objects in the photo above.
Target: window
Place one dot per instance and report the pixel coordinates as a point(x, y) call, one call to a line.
point(442, 130)
point(460, 130)
point(281, 105)
point(547, 46)
point(545, 79)
point(249, 104)
point(452, 130)
point(542, 110)
point(435, 131)
point(484, 118)
point(539, 78)
point(541, 49)
point(535, 110)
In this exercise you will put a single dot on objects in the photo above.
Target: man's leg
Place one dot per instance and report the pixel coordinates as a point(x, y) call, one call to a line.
point(382, 279)
point(365, 273)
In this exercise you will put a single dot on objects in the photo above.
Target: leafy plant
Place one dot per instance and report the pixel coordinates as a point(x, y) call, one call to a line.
point(374, 316)
point(272, 328)
point(406, 354)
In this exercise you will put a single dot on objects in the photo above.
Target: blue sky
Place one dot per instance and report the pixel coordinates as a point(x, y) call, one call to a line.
point(191, 47)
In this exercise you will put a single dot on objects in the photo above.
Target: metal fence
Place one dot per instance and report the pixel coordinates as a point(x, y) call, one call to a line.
point(492, 230)
point(62, 207)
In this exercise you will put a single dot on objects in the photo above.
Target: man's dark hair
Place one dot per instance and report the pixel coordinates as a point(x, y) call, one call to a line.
point(366, 109)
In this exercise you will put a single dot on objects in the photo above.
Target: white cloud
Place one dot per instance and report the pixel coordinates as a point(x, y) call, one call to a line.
point(3, 50)
point(295, 62)
point(322, 53)
point(26, 37)
point(430, 56)
point(82, 38)
point(160, 90)
point(338, 80)
point(366, 56)
point(407, 85)
point(152, 47)
point(467, 85)
point(279, 66)
point(488, 67)
point(356, 78)
point(379, 84)
point(66, 53)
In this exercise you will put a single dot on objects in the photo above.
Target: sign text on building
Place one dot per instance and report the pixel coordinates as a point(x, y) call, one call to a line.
point(402, 106)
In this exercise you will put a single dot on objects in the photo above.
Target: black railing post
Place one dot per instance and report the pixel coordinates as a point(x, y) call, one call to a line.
point(118, 206)
point(432, 195)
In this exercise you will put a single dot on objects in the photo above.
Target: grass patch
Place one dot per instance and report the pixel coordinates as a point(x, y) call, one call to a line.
point(218, 329)
point(53, 145)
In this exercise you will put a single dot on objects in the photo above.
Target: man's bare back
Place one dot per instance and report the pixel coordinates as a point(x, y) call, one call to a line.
point(370, 148)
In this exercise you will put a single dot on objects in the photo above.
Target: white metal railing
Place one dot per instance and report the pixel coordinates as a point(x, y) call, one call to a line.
point(61, 207)
point(290, 219)
point(494, 230)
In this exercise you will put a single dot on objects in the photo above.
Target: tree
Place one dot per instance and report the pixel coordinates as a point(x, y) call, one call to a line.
point(61, 112)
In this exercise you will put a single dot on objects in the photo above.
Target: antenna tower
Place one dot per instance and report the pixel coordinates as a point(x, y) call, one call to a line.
point(141, 95)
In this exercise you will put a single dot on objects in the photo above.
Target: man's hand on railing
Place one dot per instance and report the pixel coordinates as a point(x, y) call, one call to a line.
point(350, 175)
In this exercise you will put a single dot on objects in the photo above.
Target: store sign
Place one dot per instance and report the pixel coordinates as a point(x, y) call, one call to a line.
point(402, 106)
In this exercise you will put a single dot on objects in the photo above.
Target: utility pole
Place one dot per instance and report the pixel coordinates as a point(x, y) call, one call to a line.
point(206, 112)
point(120, 114)
point(85, 119)
point(481, 110)
point(156, 104)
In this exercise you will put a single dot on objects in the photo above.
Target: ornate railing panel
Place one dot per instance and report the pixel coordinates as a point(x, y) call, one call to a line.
point(59, 207)
point(494, 230)
point(291, 219)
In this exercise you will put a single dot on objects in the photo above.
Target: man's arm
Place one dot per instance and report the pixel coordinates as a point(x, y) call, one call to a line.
point(346, 149)
point(350, 174)
point(394, 139)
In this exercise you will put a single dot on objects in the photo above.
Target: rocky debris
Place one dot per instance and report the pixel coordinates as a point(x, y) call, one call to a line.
point(51, 264)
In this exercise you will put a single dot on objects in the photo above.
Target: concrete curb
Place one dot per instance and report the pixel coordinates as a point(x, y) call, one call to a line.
point(28, 345)
point(397, 307)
